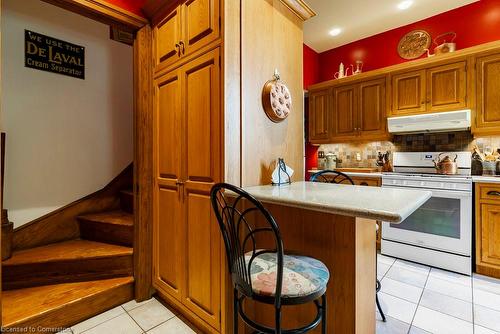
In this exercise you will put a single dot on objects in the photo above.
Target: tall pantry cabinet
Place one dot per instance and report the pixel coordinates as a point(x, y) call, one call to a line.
point(188, 160)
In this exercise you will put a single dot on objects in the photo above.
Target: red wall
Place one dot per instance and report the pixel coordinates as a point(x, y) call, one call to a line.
point(311, 66)
point(474, 24)
point(133, 6)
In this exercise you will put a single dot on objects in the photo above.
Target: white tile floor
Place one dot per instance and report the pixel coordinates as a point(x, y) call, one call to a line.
point(416, 300)
point(421, 300)
point(150, 317)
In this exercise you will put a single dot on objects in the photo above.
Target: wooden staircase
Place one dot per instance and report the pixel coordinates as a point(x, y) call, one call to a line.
point(63, 283)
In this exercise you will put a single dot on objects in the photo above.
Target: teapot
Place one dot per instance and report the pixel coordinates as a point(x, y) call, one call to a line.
point(341, 73)
point(444, 47)
point(446, 165)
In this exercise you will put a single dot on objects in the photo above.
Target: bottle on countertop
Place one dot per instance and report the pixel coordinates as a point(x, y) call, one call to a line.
point(321, 160)
point(331, 161)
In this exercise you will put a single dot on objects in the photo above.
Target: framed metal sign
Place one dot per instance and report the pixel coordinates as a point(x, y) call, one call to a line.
point(50, 54)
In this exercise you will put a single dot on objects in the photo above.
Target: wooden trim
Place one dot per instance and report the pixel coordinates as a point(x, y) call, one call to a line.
point(413, 65)
point(143, 162)
point(62, 224)
point(300, 8)
point(1, 181)
point(104, 12)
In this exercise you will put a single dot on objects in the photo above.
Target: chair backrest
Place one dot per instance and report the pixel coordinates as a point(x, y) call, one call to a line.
point(245, 224)
point(331, 176)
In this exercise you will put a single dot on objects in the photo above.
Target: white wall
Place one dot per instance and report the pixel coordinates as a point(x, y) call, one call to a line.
point(66, 137)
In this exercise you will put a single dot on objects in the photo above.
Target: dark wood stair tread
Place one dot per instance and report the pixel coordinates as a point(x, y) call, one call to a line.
point(117, 217)
point(63, 304)
point(66, 250)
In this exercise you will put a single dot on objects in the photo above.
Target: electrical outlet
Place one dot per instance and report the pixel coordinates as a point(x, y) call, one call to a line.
point(358, 156)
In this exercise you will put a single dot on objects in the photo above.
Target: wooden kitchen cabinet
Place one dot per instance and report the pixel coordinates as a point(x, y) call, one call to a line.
point(187, 28)
point(488, 229)
point(370, 182)
point(167, 35)
point(487, 95)
point(359, 111)
point(372, 121)
point(408, 93)
point(447, 87)
point(320, 116)
point(187, 142)
point(345, 112)
point(434, 89)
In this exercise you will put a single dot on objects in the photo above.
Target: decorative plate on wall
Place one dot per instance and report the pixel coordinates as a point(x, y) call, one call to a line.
point(414, 44)
point(276, 99)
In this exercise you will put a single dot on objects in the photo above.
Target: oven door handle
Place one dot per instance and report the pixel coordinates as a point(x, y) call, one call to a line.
point(493, 193)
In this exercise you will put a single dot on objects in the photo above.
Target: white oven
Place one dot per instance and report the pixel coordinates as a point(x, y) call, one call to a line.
point(439, 233)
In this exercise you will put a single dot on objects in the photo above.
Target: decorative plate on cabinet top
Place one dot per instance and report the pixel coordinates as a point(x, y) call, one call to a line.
point(414, 44)
point(276, 99)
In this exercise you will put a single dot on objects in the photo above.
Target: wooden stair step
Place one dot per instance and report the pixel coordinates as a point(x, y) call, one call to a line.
point(67, 261)
point(63, 305)
point(127, 200)
point(115, 227)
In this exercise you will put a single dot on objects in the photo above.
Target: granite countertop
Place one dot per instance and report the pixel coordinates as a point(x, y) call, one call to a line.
point(385, 204)
point(485, 179)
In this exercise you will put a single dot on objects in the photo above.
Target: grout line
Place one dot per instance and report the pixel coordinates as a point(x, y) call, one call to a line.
point(161, 323)
point(124, 311)
point(419, 300)
point(473, 307)
point(131, 317)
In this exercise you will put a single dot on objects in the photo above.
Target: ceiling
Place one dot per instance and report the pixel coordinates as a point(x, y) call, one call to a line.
point(363, 18)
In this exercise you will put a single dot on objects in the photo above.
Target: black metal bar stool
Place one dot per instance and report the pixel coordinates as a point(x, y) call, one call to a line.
point(265, 275)
point(332, 176)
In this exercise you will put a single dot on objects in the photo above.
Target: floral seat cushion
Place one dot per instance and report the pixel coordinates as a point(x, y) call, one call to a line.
point(302, 276)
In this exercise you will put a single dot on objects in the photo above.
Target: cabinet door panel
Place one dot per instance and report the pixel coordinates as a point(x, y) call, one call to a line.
point(203, 274)
point(408, 93)
point(488, 94)
point(169, 242)
point(372, 108)
point(201, 23)
point(447, 87)
point(169, 125)
point(202, 103)
point(319, 116)
point(168, 234)
point(201, 98)
point(345, 111)
point(490, 234)
point(167, 35)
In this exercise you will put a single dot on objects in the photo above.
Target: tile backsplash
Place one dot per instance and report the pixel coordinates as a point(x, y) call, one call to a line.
point(429, 142)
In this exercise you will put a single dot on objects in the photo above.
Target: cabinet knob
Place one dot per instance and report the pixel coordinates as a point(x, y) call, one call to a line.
point(179, 183)
point(183, 48)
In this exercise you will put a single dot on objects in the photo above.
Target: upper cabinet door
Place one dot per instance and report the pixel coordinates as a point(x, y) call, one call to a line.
point(488, 95)
point(345, 112)
point(320, 116)
point(447, 87)
point(372, 108)
point(408, 93)
point(167, 35)
point(200, 23)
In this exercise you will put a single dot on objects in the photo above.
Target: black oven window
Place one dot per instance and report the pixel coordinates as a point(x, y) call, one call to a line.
point(438, 216)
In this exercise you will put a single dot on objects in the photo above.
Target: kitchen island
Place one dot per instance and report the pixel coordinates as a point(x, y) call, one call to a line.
point(335, 224)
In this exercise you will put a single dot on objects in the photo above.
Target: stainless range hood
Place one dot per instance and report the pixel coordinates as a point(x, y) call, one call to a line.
point(437, 122)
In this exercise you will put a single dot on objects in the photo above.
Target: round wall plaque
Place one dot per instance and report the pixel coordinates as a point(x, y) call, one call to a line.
point(276, 99)
point(414, 44)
